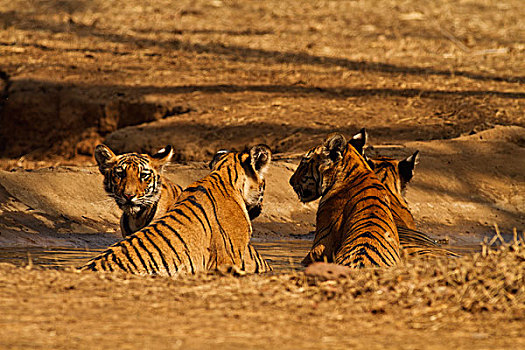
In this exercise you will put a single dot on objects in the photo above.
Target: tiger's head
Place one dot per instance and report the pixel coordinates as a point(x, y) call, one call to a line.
point(317, 170)
point(132, 179)
point(394, 174)
point(246, 169)
point(319, 166)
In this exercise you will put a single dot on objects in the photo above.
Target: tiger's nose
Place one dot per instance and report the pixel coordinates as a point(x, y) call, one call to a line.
point(129, 196)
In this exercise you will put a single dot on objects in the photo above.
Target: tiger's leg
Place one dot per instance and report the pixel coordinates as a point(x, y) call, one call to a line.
point(249, 261)
point(325, 243)
point(253, 262)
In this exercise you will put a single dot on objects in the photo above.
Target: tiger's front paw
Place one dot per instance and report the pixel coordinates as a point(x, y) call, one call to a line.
point(316, 254)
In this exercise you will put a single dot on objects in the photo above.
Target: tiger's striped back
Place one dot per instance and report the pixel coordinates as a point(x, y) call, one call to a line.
point(395, 175)
point(354, 224)
point(208, 228)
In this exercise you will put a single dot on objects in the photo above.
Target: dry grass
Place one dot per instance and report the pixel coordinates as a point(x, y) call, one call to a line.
point(491, 280)
point(477, 301)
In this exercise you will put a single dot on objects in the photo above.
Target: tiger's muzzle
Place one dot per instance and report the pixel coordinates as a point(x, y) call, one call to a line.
point(304, 194)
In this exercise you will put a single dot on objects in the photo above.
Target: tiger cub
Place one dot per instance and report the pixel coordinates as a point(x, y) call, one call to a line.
point(354, 223)
point(395, 175)
point(135, 182)
point(207, 228)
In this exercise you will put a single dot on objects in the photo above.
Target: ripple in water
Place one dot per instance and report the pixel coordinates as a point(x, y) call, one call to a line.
point(282, 255)
point(58, 258)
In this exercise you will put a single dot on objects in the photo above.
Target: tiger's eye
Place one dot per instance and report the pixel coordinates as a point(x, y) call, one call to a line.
point(145, 175)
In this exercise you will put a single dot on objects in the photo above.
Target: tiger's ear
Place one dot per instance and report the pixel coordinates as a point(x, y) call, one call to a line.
point(358, 141)
point(162, 157)
point(217, 157)
point(406, 167)
point(260, 158)
point(334, 146)
point(104, 157)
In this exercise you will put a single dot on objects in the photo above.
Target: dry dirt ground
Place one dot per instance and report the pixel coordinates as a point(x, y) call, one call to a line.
point(476, 302)
point(445, 77)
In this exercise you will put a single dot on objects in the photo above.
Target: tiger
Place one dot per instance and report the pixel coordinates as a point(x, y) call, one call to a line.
point(395, 175)
point(136, 183)
point(354, 223)
point(208, 228)
point(256, 208)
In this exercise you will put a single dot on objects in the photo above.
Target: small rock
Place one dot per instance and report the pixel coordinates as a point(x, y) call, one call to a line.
point(327, 271)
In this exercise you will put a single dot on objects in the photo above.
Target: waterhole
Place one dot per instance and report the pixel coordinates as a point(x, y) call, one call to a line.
point(282, 255)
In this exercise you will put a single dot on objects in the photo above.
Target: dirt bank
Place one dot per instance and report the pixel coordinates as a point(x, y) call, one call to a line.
point(462, 187)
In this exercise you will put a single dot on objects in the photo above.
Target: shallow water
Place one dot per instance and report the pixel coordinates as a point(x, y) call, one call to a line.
point(282, 255)
point(60, 257)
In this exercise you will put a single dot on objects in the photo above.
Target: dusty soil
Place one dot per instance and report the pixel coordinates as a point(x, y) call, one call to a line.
point(477, 302)
point(209, 74)
point(444, 77)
